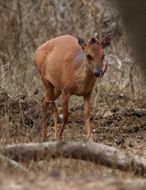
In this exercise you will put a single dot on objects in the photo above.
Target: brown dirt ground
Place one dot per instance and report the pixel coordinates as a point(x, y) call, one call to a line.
point(118, 121)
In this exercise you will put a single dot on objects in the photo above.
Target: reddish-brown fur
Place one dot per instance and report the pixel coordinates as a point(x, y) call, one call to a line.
point(68, 66)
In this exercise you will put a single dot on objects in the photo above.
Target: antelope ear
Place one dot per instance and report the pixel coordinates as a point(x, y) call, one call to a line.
point(106, 41)
point(81, 42)
point(93, 40)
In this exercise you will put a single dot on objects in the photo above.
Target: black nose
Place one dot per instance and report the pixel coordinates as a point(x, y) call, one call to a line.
point(97, 74)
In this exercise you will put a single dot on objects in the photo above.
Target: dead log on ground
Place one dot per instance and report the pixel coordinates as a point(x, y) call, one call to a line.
point(93, 152)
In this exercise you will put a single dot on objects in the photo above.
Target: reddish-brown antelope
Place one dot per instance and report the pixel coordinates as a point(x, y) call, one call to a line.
point(69, 66)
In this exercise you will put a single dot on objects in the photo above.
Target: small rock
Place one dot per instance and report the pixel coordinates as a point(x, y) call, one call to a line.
point(120, 140)
point(54, 173)
point(131, 144)
point(107, 113)
point(60, 116)
point(94, 130)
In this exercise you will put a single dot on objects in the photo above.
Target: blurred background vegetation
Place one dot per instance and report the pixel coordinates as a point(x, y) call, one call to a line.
point(27, 24)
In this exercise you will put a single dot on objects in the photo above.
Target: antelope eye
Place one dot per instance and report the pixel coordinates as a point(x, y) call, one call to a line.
point(89, 57)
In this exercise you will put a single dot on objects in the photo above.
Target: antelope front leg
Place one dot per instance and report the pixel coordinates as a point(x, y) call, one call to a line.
point(65, 97)
point(55, 118)
point(48, 107)
point(87, 114)
point(44, 106)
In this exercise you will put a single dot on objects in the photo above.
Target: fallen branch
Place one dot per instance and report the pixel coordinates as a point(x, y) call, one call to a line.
point(96, 153)
point(12, 164)
point(138, 112)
